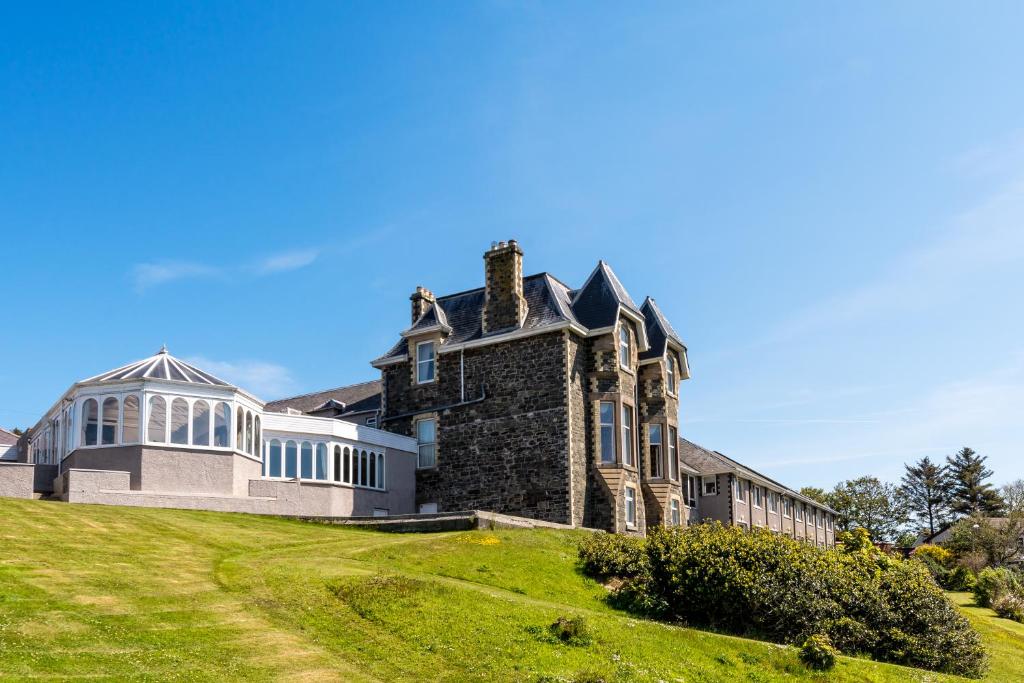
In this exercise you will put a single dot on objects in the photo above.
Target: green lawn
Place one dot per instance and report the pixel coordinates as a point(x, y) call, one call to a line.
point(1003, 638)
point(129, 593)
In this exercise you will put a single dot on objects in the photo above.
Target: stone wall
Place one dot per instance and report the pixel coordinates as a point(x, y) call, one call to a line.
point(503, 433)
point(581, 461)
point(16, 480)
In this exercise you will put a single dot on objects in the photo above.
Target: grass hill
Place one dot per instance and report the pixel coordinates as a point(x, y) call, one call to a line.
point(131, 593)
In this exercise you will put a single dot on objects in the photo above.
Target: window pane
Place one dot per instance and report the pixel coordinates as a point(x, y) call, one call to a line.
point(426, 456)
point(373, 470)
point(274, 457)
point(256, 433)
point(307, 460)
point(240, 430)
point(248, 432)
point(337, 463)
point(624, 345)
point(156, 427)
point(291, 460)
point(654, 437)
point(348, 467)
point(426, 431)
point(179, 421)
point(130, 433)
point(108, 434)
point(607, 432)
point(627, 435)
point(222, 426)
point(320, 471)
point(380, 470)
point(201, 423)
point(90, 422)
point(425, 362)
point(673, 456)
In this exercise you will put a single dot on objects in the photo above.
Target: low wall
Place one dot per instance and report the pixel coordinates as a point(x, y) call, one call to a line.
point(443, 521)
point(16, 479)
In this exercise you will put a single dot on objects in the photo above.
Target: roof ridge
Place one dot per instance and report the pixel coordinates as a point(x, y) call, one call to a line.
point(323, 391)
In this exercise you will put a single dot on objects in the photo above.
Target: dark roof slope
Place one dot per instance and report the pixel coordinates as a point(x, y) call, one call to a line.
point(596, 304)
point(356, 397)
point(659, 330)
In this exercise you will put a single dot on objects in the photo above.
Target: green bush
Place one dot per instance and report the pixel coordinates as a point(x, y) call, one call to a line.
point(1009, 606)
point(571, 630)
point(993, 582)
point(768, 586)
point(605, 556)
point(936, 553)
point(960, 579)
point(818, 653)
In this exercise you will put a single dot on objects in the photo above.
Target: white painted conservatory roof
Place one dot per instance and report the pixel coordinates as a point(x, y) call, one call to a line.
point(161, 366)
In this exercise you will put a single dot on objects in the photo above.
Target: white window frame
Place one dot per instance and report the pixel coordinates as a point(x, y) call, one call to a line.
point(601, 426)
point(740, 498)
point(758, 498)
point(432, 362)
point(624, 348)
point(691, 490)
point(704, 481)
point(670, 374)
point(673, 453)
point(658, 473)
point(627, 435)
point(629, 502)
point(419, 445)
point(675, 512)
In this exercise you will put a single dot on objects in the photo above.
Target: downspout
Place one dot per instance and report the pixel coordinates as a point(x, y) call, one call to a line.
point(462, 375)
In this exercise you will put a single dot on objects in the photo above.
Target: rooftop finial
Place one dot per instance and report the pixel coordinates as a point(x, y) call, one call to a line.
point(163, 349)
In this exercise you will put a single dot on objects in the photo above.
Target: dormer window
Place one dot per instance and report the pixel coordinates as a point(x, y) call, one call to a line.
point(624, 359)
point(424, 362)
point(670, 375)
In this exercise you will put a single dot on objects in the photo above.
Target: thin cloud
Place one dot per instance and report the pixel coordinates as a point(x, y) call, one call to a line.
point(257, 377)
point(146, 275)
point(285, 261)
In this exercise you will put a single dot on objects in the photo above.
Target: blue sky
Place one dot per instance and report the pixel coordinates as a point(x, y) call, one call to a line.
point(826, 200)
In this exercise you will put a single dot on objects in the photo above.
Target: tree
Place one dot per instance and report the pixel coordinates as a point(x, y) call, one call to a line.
point(816, 494)
point(869, 504)
point(925, 491)
point(968, 491)
point(17, 432)
point(999, 539)
point(1013, 495)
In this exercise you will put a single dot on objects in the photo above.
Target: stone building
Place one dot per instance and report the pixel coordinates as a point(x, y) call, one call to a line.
point(534, 398)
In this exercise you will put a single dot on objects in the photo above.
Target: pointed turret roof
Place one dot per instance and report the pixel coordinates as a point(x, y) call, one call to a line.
point(162, 365)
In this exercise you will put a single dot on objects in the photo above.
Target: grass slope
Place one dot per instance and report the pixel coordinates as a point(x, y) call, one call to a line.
point(128, 593)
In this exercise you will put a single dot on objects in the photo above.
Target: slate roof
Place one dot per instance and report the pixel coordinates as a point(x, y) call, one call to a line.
point(549, 302)
point(7, 438)
point(356, 398)
point(659, 330)
point(713, 462)
point(160, 366)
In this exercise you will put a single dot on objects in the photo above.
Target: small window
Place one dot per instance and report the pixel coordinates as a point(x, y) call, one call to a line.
point(740, 498)
point(426, 439)
point(364, 469)
point(348, 466)
point(624, 355)
point(758, 497)
point(307, 460)
point(373, 471)
point(274, 459)
point(630, 506)
point(380, 471)
point(773, 501)
point(337, 463)
point(90, 422)
point(156, 427)
point(201, 423)
point(424, 362)
point(654, 439)
point(607, 432)
point(291, 460)
point(673, 455)
point(320, 466)
point(627, 435)
point(130, 423)
point(709, 486)
point(179, 421)
point(380, 512)
point(670, 374)
point(428, 508)
point(676, 519)
point(222, 425)
point(691, 491)
point(108, 432)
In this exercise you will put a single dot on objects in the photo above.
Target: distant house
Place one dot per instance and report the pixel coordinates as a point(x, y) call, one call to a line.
point(357, 403)
point(8, 445)
point(943, 536)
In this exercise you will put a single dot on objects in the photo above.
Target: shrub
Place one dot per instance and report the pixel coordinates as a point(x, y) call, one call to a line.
point(612, 555)
point(960, 578)
point(936, 553)
point(1009, 606)
point(993, 582)
point(779, 589)
point(571, 630)
point(818, 653)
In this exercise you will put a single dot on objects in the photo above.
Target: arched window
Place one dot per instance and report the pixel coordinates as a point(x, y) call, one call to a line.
point(240, 429)
point(256, 434)
point(380, 470)
point(274, 459)
point(130, 422)
point(337, 463)
point(320, 463)
point(90, 420)
point(108, 430)
point(373, 469)
point(364, 469)
point(222, 426)
point(201, 423)
point(179, 421)
point(156, 426)
point(307, 460)
point(291, 457)
point(348, 466)
point(69, 431)
point(248, 432)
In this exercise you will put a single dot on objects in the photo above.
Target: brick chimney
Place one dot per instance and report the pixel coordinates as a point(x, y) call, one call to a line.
point(504, 304)
point(421, 300)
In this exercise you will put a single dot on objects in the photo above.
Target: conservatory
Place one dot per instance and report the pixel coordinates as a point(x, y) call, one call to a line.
point(162, 432)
